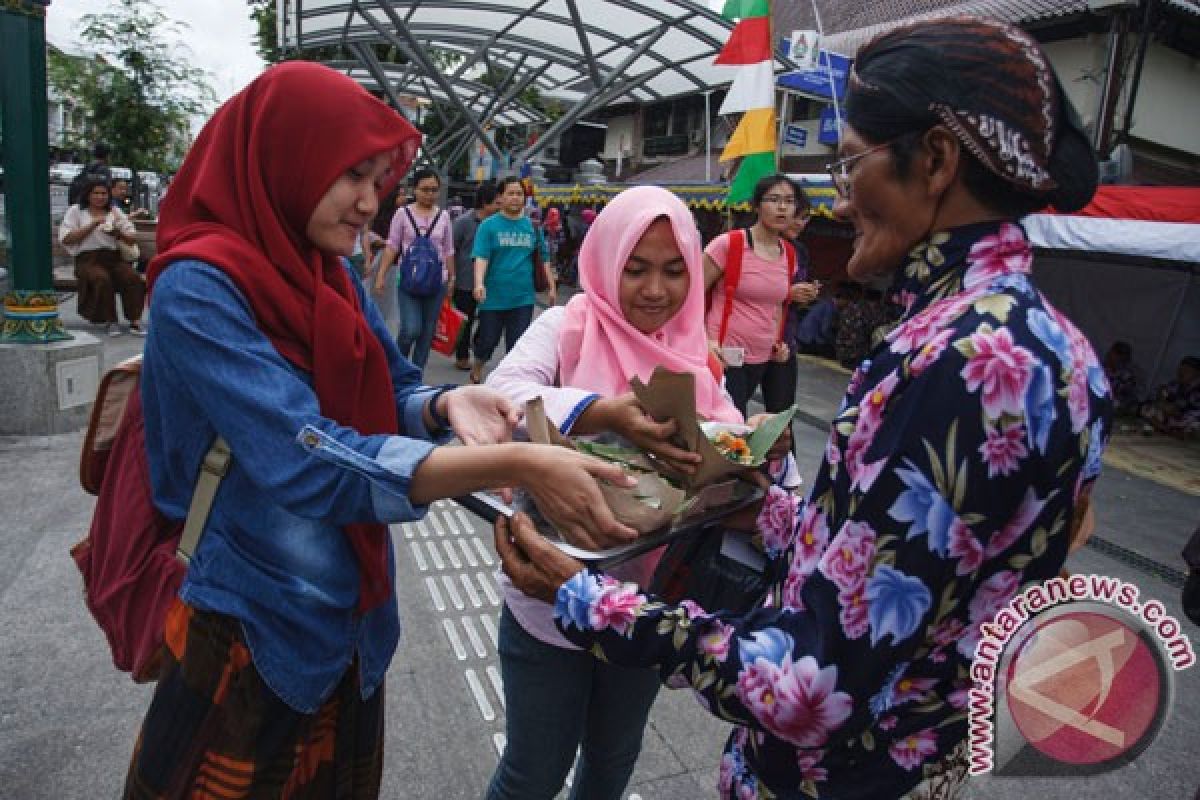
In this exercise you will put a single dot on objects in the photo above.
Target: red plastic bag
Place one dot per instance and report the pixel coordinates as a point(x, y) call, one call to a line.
point(449, 324)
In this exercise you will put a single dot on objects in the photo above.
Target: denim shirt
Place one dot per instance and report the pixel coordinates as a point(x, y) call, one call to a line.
point(273, 554)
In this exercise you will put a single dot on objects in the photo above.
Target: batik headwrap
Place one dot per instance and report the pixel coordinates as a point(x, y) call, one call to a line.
point(991, 85)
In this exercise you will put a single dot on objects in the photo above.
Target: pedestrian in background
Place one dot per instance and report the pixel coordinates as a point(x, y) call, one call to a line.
point(779, 379)
point(89, 231)
point(745, 316)
point(418, 313)
point(503, 280)
point(463, 281)
point(120, 195)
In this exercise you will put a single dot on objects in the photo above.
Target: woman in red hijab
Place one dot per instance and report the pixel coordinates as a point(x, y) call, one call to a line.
point(272, 684)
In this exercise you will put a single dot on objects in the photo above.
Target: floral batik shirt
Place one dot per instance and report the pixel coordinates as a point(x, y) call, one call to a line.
point(962, 448)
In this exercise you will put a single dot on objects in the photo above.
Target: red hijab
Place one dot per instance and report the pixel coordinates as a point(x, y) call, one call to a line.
point(241, 202)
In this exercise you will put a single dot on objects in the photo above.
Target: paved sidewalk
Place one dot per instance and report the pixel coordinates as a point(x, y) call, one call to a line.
point(68, 719)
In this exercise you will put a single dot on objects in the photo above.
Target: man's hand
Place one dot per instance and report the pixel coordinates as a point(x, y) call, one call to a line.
point(780, 352)
point(480, 294)
point(479, 415)
point(535, 566)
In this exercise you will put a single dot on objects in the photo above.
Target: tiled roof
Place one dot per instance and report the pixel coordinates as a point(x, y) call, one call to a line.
point(689, 169)
point(848, 26)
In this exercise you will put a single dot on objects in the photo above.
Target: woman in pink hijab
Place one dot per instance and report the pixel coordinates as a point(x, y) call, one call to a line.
point(642, 306)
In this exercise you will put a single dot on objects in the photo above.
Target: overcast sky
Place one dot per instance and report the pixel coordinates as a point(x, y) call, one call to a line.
point(221, 36)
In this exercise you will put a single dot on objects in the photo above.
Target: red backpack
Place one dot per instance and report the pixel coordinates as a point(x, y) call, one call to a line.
point(133, 559)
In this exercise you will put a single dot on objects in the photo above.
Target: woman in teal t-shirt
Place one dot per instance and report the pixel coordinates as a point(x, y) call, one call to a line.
point(503, 254)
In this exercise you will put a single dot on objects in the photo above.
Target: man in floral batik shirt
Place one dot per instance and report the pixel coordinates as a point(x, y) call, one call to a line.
point(959, 464)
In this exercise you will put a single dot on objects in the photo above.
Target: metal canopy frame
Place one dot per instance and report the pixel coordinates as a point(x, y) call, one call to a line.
point(585, 53)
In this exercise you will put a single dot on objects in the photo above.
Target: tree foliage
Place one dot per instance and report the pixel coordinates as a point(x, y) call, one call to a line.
point(263, 14)
point(135, 83)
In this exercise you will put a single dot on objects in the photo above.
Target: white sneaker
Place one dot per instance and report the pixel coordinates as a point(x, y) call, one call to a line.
point(136, 329)
point(112, 330)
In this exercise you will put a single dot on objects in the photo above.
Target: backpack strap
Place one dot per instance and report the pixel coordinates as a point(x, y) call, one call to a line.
point(212, 470)
point(790, 253)
point(732, 275)
point(716, 367)
point(413, 221)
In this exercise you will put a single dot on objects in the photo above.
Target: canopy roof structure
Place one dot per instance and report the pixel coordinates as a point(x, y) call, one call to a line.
point(480, 99)
point(475, 95)
point(586, 53)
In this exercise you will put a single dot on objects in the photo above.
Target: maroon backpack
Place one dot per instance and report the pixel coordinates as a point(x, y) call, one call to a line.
point(133, 560)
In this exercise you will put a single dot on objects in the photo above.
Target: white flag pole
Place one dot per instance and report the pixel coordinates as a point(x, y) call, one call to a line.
point(707, 137)
point(837, 111)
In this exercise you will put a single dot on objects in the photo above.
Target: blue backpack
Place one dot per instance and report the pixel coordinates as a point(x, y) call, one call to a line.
point(421, 266)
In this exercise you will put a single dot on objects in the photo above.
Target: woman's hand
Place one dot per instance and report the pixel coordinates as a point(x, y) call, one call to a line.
point(803, 294)
point(563, 485)
point(625, 416)
point(480, 294)
point(479, 415)
point(782, 446)
point(535, 566)
point(780, 352)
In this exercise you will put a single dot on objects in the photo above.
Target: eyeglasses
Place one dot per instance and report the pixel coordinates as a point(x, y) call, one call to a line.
point(780, 200)
point(840, 170)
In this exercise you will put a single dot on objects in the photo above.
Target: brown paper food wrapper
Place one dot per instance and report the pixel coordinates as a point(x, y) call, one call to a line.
point(626, 503)
point(672, 395)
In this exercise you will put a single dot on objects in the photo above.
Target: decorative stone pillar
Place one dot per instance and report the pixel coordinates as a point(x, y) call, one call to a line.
point(30, 306)
point(49, 376)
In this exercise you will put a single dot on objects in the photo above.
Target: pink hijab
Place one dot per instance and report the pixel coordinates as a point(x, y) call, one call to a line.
point(598, 349)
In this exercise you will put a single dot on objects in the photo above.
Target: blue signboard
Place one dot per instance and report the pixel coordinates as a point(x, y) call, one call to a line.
point(795, 135)
point(816, 82)
point(828, 133)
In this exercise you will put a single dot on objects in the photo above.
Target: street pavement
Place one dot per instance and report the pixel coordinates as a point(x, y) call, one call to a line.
point(68, 719)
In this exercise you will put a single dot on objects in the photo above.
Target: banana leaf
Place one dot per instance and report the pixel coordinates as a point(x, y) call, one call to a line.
point(630, 457)
point(765, 435)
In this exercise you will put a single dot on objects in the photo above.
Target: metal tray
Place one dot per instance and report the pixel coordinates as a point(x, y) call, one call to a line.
point(710, 505)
